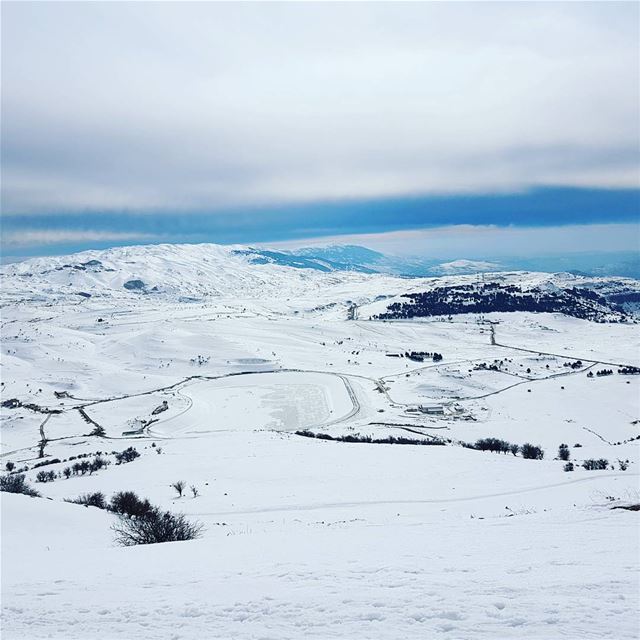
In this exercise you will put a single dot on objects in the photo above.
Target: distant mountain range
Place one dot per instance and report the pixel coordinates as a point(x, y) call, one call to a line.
point(365, 260)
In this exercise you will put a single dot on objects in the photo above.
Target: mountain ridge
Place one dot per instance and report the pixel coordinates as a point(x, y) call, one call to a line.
point(192, 273)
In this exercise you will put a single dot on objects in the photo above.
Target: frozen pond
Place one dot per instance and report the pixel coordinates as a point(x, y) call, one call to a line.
point(275, 401)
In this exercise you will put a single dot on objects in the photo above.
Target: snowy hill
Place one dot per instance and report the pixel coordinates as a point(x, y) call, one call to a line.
point(329, 425)
point(188, 273)
point(178, 271)
point(464, 266)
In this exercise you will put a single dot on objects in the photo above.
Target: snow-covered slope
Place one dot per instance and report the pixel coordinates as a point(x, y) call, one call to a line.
point(332, 454)
point(175, 270)
point(193, 272)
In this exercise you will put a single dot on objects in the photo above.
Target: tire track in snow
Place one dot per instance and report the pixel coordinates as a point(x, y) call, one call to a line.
point(376, 503)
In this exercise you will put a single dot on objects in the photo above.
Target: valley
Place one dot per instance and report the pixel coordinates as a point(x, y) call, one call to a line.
point(264, 387)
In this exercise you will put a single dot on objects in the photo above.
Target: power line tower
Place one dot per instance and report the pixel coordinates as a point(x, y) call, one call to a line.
point(480, 286)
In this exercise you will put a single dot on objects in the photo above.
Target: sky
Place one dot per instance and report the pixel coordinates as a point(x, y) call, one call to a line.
point(466, 129)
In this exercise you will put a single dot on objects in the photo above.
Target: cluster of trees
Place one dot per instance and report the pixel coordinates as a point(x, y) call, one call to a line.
point(125, 503)
point(497, 445)
point(128, 455)
point(17, 483)
point(595, 465)
point(125, 456)
point(574, 365)
point(82, 467)
point(369, 440)
point(420, 356)
point(604, 372)
point(86, 467)
point(76, 469)
point(11, 468)
point(629, 371)
point(601, 464)
point(44, 463)
point(95, 499)
point(46, 476)
point(489, 298)
point(496, 365)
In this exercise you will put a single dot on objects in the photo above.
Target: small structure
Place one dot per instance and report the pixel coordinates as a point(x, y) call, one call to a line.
point(432, 410)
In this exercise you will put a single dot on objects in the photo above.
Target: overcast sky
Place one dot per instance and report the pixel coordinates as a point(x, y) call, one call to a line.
point(197, 109)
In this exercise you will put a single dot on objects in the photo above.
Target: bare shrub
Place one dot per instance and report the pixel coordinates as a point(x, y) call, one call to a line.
point(16, 483)
point(595, 465)
point(179, 486)
point(531, 452)
point(45, 476)
point(128, 455)
point(96, 499)
point(96, 464)
point(155, 527)
point(127, 503)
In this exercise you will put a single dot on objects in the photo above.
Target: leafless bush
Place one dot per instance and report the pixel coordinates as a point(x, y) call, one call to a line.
point(179, 486)
point(155, 527)
point(127, 503)
point(16, 483)
point(96, 499)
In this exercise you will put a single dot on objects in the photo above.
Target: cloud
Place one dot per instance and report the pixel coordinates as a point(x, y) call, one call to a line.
point(202, 106)
point(23, 239)
point(489, 241)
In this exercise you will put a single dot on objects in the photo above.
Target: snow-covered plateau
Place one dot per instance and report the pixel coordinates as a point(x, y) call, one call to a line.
point(325, 420)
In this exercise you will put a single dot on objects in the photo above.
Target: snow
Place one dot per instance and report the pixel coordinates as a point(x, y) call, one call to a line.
point(464, 266)
point(414, 576)
point(307, 537)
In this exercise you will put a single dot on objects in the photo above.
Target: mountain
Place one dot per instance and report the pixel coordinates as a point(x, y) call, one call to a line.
point(357, 258)
point(465, 266)
point(322, 260)
point(346, 257)
point(588, 301)
point(192, 273)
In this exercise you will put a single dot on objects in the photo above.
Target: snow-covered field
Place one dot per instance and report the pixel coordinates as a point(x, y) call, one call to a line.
point(306, 537)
